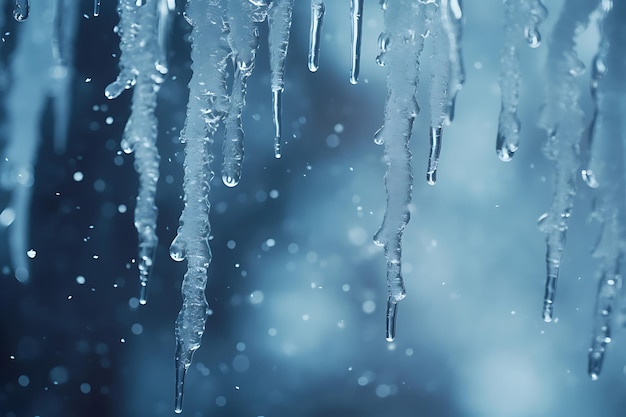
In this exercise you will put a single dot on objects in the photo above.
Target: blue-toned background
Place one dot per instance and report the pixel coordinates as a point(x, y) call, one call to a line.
point(297, 288)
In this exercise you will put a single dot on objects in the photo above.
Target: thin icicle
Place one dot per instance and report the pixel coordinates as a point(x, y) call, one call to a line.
point(96, 8)
point(562, 118)
point(166, 11)
point(439, 92)
point(207, 106)
point(404, 27)
point(279, 20)
point(138, 29)
point(356, 19)
point(64, 33)
point(607, 162)
point(244, 42)
point(452, 23)
point(317, 18)
point(598, 69)
point(522, 18)
point(21, 10)
point(34, 75)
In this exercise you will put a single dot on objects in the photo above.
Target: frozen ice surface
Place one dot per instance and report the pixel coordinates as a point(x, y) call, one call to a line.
point(297, 300)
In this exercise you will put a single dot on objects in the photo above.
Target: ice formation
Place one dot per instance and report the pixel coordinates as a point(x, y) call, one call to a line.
point(225, 38)
point(142, 67)
point(562, 118)
point(605, 173)
point(41, 68)
point(522, 18)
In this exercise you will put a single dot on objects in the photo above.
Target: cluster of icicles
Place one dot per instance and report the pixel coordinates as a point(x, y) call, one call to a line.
point(225, 38)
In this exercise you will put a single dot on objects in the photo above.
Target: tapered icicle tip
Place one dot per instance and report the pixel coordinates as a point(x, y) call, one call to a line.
point(595, 365)
point(356, 12)
point(143, 293)
point(182, 364)
point(277, 96)
point(505, 150)
point(436, 135)
point(392, 311)
point(548, 311)
point(317, 17)
point(550, 290)
point(21, 10)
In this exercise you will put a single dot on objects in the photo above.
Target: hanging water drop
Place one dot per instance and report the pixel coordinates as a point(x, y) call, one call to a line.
point(21, 10)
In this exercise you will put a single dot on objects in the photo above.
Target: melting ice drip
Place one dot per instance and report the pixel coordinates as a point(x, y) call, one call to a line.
point(225, 38)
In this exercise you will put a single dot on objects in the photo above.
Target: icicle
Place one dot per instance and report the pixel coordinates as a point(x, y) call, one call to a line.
point(96, 8)
point(521, 18)
point(607, 162)
point(207, 106)
point(244, 42)
point(138, 30)
point(62, 71)
point(279, 19)
point(436, 136)
point(451, 20)
point(166, 9)
point(356, 17)
point(317, 17)
point(561, 117)
point(439, 91)
point(598, 69)
point(21, 10)
point(34, 77)
point(404, 27)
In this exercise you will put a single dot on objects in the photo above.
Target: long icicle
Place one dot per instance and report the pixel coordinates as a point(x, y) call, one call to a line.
point(404, 29)
point(521, 18)
point(607, 163)
point(279, 20)
point(207, 106)
point(140, 51)
point(562, 118)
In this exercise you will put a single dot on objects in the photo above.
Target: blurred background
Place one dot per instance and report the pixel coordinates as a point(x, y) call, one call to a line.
point(296, 287)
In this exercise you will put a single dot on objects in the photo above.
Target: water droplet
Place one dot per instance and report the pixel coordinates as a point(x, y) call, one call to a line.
point(177, 249)
point(533, 37)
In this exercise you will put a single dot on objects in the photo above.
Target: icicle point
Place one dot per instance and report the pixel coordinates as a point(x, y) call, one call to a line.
point(183, 362)
point(392, 312)
point(436, 135)
point(356, 14)
point(21, 10)
point(317, 18)
point(277, 116)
